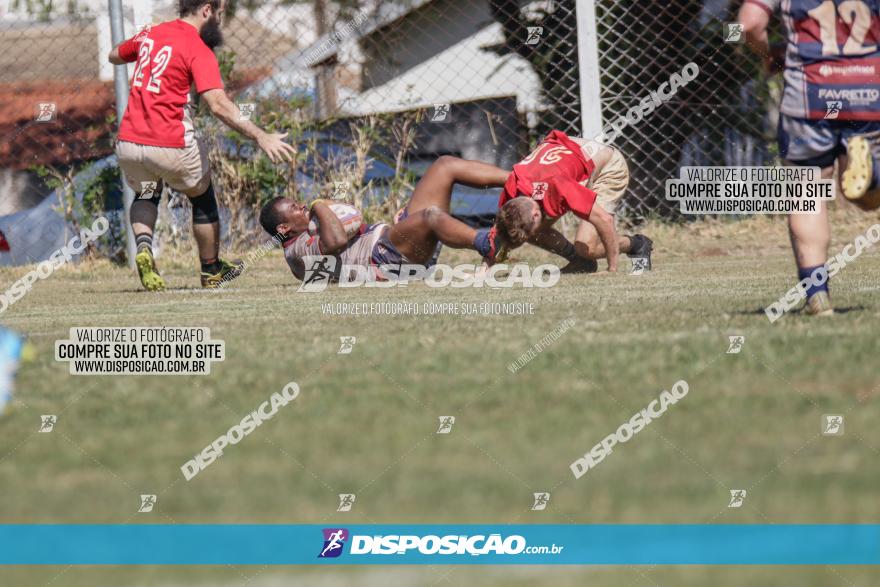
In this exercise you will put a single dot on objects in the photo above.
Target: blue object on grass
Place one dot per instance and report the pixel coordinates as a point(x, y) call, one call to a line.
point(11, 346)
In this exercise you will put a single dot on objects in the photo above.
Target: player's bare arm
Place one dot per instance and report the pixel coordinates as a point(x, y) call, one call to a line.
point(330, 230)
point(604, 224)
point(225, 110)
point(755, 20)
point(115, 58)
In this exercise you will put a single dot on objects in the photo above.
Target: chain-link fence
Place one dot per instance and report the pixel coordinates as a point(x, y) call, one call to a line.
point(372, 91)
point(726, 116)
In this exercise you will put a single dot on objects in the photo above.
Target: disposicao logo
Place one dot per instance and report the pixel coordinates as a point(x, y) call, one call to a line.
point(334, 541)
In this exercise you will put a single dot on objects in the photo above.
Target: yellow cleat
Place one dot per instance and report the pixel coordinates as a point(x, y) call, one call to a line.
point(146, 266)
point(859, 172)
point(228, 272)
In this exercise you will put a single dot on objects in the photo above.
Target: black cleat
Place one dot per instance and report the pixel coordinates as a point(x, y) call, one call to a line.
point(640, 248)
point(580, 265)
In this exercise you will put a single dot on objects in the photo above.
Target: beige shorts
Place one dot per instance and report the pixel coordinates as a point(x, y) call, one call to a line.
point(611, 179)
point(185, 170)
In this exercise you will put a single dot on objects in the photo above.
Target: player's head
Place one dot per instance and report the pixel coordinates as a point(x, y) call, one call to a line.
point(518, 220)
point(284, 216)
point(208, 14)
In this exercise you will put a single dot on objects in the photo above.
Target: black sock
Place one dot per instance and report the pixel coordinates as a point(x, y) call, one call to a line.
point(211, 266)
point(144, 241)
point(568, 252)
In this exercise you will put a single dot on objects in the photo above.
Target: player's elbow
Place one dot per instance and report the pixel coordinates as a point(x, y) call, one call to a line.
point(599, 217)
point(114, 58)
point(216, 101)
point(754, 20)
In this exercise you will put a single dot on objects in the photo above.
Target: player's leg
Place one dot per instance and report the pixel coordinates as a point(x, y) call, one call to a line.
point(860, 179)
point(812, 143)
point(190, 174)
point(147, 187)
point(426, 220)
point(435, 187)
point(588, 245)
point(417, 235)
point(810, 236)
point(610, 181)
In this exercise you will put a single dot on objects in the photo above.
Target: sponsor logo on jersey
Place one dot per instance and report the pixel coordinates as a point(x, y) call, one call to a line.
point(858, 96)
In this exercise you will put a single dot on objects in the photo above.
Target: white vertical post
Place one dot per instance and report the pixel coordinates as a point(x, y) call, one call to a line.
point(142, 14)
point(105, 68)
point(588, 68)
point(120, 74)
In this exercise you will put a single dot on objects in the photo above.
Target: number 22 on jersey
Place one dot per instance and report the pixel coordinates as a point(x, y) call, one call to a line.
point(160, 63)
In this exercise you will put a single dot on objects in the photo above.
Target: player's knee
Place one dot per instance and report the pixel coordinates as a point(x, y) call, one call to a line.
point(145, 207)
point(446, 160)
point(432, 215)
point(204, 207)
point(446, 163)
point(587, 245)
point(151, 201)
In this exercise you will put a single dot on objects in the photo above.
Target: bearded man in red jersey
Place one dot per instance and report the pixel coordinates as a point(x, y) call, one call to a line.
point(157, 144)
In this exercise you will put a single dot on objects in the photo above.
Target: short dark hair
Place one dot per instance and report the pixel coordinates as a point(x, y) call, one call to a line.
point(515, 220)
point(187, 7)
point(270, 216)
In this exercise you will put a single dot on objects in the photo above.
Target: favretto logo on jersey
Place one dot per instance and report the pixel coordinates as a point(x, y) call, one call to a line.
point(431, 544)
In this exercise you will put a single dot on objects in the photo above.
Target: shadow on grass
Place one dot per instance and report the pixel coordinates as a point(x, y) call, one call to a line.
point(800, 311)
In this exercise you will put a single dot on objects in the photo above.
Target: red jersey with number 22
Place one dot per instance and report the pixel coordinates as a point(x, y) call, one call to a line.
point(168, 58)
point(552, 176)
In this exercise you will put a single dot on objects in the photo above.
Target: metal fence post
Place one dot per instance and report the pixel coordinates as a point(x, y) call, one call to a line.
point(588, 68)
point(120, 79)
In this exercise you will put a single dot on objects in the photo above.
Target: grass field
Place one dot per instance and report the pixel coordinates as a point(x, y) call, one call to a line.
point(365, 423)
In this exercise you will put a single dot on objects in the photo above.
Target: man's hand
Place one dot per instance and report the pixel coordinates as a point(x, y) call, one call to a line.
point(275, 148)
point(224, 109)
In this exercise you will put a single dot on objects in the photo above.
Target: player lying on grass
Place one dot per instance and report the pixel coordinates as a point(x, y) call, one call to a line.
point(412, 240)
point(565, 174)
point(157, 143)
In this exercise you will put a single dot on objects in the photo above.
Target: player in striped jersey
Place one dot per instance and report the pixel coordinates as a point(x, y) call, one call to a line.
point(830, 108)
point(413, 238)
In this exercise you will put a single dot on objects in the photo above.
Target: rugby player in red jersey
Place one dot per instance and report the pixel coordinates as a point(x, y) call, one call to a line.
point(157, 143)
point(830, 111)
point(565, 174)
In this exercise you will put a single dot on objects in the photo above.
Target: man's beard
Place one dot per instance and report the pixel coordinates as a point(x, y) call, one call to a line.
point(211, 33)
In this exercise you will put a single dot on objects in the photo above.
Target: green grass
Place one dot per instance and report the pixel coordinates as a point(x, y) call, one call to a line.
point(365, 423)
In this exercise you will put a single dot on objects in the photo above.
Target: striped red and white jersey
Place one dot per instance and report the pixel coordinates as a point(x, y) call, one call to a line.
point(832, 60)
point(358, 253)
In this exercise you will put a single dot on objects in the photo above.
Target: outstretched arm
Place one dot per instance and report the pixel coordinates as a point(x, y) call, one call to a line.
point(271, 143)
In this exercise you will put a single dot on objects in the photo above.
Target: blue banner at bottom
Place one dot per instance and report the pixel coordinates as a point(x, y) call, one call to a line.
point(492, 544)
